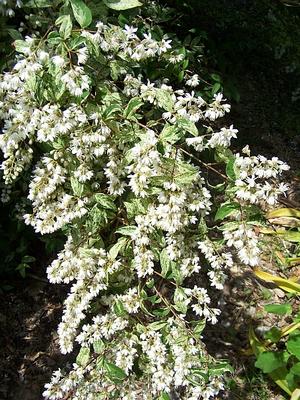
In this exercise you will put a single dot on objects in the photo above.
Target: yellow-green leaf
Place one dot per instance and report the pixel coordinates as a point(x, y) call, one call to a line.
point(256, 345)
point(285, 284)
point(120, 5)
point(295, 394)
point(283, 212)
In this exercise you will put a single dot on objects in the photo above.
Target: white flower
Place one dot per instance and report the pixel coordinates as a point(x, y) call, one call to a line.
point(193, 81)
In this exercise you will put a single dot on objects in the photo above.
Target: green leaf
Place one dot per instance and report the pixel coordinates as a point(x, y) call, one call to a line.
point(293, 345)
point(216, 77)
point(164, 396)
point(111, 110)
point(216, 87)
point(21, 46)
point(180, 303)
point(186, 173)
point(54, 38)
point(22, 269)
point(28, 259)
point(117, 247)
point(105, 201)
point(115, 373)
point(171, 134)
point(268, 361)
point(127, 230)
point(158, 325)
point(82, 13)
point(198, 326)
point(98, 218)
point(161, 312)
point(225, 210)
point(279, 309)
point(136, 206)
point(65, 26)
point(133, 105)
point(165, 263)
point(220, 369)
point(77, 186)
point(40, 3)
point(119, 309)
point(291, 236)
point(14, 34)
point(181, 76)
point(98, 346)
point(187, 125)
point(274, 334)
point(296, 369)
point(230, 172)
point(83, 357)
point(120, 5)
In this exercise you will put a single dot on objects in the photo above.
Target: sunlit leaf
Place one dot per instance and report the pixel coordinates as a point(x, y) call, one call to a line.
point(82, 13)
point(120, 5)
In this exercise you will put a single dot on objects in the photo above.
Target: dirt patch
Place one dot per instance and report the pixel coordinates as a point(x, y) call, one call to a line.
point(29, 315)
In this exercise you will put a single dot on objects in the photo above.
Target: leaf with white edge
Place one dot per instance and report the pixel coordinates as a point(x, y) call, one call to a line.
point(187, 125)
point(21, 46)
point(83, 357)
point(280, 309)
point(116, 248)
point(105, 201)
point(77, 187)
point(119, 309)
point(82, 13)
point(171, 134)
point(220, 369)
point(230, 171)
point(180, 300)
point(136, 206)
point(65, 26)
point(127, 230)
point(165, 263)
point(198, 326)
point(115, 373)
point(98, 346)
point(133, 105)
point(121, 5)
point(186, 174)
point(225, 210)
point(158, 325)
point(164, 99)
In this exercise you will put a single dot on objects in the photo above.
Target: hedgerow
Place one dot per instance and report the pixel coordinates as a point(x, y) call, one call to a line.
point(105, 119)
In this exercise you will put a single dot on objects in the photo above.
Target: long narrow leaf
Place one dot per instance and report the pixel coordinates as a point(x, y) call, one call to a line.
point(286, 284)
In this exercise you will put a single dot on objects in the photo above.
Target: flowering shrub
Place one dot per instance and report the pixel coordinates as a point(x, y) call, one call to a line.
point(114, 134)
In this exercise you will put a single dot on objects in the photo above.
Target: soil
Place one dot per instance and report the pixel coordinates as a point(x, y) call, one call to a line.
point(29, 314)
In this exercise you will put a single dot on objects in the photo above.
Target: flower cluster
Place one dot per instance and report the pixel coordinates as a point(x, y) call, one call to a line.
point(257, 179)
